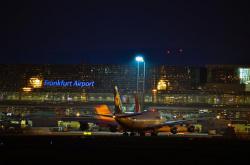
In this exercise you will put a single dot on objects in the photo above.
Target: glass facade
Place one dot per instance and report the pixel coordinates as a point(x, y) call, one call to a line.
point(169, 98)
point(163, 84)
point(244, 74)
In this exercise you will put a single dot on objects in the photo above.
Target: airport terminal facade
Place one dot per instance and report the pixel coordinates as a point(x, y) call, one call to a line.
point(86, 83)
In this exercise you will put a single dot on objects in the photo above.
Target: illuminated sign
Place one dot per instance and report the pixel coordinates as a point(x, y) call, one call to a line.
point(62, 83)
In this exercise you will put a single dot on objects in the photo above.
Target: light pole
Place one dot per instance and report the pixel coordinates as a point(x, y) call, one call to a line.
point(138, 75)
point(140, 59)
point(144, 73)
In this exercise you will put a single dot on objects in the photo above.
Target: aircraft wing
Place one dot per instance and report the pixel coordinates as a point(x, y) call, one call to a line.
point(177, 122)
point(104, 115)
point(170, 123)
point(119, 115)
point(128, 115)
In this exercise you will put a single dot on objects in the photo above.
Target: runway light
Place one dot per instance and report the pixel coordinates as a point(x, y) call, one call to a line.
point(139, 59)
point(87, 133)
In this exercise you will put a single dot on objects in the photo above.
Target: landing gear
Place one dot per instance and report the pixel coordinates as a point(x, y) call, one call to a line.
point(125, 134)
point(84, 126)
point(132, 134)
point(154, 134)
point(174, 130)
point(113, 129)
point(142, 133)
point(191, 128)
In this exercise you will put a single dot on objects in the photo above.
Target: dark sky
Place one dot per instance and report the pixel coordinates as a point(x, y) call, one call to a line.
point(169, 31)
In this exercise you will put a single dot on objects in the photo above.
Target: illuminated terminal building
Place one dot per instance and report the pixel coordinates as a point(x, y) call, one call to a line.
point(85, 83)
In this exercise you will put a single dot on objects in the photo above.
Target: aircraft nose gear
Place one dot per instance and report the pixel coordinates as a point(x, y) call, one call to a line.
point(132, 134)
point(142, 133)
point(173, 130)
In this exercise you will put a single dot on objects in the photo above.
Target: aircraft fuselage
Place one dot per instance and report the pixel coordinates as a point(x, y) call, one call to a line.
point(137, 123)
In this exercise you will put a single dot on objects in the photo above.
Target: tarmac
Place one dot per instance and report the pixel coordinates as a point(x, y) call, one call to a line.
point(118, 149)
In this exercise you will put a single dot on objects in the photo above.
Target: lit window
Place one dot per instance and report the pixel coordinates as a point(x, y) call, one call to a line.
point(35, 82)
point(161, 85)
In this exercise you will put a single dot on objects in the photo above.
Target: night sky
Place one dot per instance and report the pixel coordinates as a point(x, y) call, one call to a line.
point(168, 32)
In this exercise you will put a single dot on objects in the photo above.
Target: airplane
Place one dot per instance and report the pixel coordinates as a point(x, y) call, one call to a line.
point(142, 122)
point(136, 122)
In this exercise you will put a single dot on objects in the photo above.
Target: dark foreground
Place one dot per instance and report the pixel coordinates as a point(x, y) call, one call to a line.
point(121, 150)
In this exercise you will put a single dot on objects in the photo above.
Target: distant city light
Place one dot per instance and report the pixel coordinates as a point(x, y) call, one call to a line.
point(154, 90)
point(162, 85)
point(27, 89)
point(36, 82)
point(139, 59)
